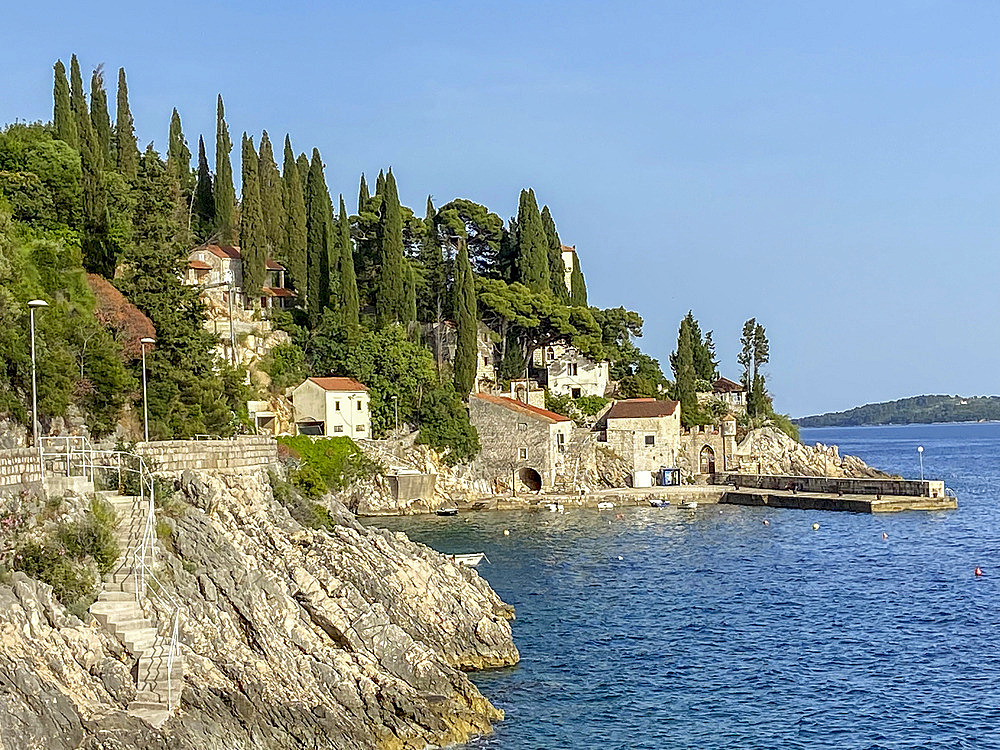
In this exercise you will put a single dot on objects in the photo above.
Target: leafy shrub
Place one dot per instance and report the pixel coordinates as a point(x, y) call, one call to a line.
point(326, 463)
point(445, 426)
point(92, 536)
point(286, 366)
point(590, 405)
point(559, 404)
point(306, 512)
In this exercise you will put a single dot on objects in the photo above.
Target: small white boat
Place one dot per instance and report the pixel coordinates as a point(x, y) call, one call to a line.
point(656, 502)
point(605, 506)
point(471, 559)
point(446, 511)
point(556, 507)
point(688, 505)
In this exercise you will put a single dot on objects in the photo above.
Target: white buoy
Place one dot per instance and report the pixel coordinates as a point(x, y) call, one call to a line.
point(506, 532)
point(815, 526)
point(620, 557)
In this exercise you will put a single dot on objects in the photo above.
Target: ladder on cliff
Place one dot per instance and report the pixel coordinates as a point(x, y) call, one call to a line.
point(133, 605)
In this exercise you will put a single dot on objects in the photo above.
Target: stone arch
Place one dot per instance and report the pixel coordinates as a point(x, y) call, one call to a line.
point(531, 480)
point(706, 460)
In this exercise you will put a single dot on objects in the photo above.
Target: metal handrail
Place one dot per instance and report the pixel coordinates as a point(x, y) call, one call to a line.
point(80, 456)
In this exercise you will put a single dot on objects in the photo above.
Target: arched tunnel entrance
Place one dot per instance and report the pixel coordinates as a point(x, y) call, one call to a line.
point(707, 460)
point(531, 480)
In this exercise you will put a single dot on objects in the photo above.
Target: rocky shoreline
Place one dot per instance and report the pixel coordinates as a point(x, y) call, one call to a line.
point(347, 637)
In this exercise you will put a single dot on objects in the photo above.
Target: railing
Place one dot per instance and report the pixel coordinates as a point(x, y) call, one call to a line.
point(78, 458)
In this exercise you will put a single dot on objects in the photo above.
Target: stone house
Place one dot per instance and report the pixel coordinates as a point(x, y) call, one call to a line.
point(217, 264)
point(568, 254)
point(706, 449)
point(521, 444)
point(733, 395)
point(332, 407)
point(565, 371)
point(643, 431)
point(442, 339)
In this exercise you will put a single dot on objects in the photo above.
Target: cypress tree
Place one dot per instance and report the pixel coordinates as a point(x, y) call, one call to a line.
point(380, 183)
point(62, 111)
point(507, 256)
point(532, 246)
point(99, 253)
point(466, 351)
point(390, 292)
point(203, 206)
point(430, 297)
point(179, 156)
point(410, 295)
point(684, 375)
point(317, 253)
point(78, 100)
point(270, 197)
point(363, 194)
point(577, 285)
point(99, 117)
point(293, 246)
point(349, 303)
point(225, 193)
point(126, 150)
point(252, 237)
point(302, 162)
point(557, 270)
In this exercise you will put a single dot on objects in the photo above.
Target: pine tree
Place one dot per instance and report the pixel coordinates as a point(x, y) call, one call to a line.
point(99, 117)
point(466, 351)
point(203, 206)
point(532, 246)
point(577, 285)
point(317, 201)
point(349, 304)
point(270, 197)
point(390, 293)
point(293, 246)
point(253, 250)
point(126, 150)
point(755, 352)
point(363, 194)
point(78, 100)
point(179, 156)
point(62, 111)
point(225, 193)
point(557, 270)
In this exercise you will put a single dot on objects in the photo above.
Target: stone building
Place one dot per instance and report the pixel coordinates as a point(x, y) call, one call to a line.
point(568, 253)
point(521, 444)
point(217, 264)
point(732, 395)
point(442, 339)
point(706, 449)
point(332, 407)
point(565, 371)
point(646, 433)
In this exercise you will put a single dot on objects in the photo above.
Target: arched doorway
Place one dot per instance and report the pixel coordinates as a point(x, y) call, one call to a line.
point(707, 460)
point(531, 480)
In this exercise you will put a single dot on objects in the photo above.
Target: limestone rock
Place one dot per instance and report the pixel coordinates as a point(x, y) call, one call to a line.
point(767, 450)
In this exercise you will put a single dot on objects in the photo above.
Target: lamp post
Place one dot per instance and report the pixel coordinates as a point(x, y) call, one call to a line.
point(920, 452)
point(143, 342)
point(32, 306)
point(395, 406)
point(230, 276)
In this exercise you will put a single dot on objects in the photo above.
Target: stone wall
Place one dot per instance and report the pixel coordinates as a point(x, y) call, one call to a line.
point(244, 453)
point(19, 469)
point(646, 443)
point(406, 486)
point(836, 485)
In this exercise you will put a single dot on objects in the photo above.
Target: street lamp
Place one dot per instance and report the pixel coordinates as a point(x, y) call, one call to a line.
point(32, 306)
point(920, 452)
point(143, 342)
point(230, 278)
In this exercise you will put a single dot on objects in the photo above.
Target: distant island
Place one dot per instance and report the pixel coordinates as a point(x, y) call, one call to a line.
point(914, 410)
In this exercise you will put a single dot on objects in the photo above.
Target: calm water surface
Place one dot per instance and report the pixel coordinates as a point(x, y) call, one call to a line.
point(708, 629)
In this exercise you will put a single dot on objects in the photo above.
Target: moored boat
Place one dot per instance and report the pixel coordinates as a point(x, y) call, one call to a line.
point(447, 511)
point(471, 559)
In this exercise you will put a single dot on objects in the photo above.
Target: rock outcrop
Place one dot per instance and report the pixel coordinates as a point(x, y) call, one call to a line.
point(292, 638)
point(767, 450)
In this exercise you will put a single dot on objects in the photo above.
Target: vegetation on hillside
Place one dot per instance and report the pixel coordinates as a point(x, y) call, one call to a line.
point(914, 410)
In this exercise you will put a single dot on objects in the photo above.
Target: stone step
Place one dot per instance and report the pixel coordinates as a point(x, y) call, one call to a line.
point(131, 625)
point(154, 714)
point(115, 610)
point(110, 595)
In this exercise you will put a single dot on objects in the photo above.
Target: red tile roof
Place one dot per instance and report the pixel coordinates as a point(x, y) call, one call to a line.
point(277, 291)
point(339, 384)
point(725, 385)
point(526, 409)
point(199, 265)
point(272, 265)
point(641, 408)
point(569, 248)
point(223, 251)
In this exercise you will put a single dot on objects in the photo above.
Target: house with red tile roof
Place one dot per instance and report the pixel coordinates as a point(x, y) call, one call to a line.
point(332, 407)
point(216, 264)
point(643, 431)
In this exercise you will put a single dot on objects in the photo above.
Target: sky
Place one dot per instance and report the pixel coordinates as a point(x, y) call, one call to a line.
point(830, 168)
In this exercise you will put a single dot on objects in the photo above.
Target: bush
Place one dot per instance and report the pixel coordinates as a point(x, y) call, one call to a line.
point(326, 463)
point(590, 405)
point(445, 426)
point(310, 514)
point(92, 536)
point(73, 581)
point(286, 366)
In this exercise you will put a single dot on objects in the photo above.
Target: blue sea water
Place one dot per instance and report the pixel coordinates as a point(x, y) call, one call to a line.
point(708, 629)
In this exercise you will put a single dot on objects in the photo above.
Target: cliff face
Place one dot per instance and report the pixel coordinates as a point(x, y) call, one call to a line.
point(769, 451)
point(292, 638)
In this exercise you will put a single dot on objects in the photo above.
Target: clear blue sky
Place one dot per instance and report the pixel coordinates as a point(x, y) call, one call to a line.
point(830, 168)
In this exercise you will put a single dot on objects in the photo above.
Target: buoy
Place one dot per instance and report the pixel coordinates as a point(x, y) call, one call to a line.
point(766, 522)
point(815, 526)
point(979, 571)
point(506, 532)
point(622, 558)
point(884, 535)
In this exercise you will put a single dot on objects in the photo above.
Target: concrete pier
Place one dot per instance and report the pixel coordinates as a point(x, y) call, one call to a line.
point(827, 501)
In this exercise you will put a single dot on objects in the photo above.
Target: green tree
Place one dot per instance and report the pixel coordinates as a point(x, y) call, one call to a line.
point(253, 241)
point(62, 111)
point(482, 230)
point(99, 117)
point(349, 304)
point(532, 245)
point(317, 202)
point(363, 194)
point(445, 426)
point(270, 198)
point(755, 352)
point(577, 285)
point(179, 156)
point(225, 192)
point(466, 320)
point(685, 375)
point(78, 100)
point(100, 255)
point(557, 270)
point(293, 247)
point(390, 293)
point(203, 205)
point(126, 150)
point(433, 285)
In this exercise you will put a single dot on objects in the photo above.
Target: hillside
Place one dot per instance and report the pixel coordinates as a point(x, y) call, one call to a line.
point(913, 410)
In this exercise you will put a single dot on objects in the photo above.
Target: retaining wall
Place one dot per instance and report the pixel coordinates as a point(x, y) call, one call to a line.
point(834, 486)
point(19, 468)
point(411, 486)
point(244, 453)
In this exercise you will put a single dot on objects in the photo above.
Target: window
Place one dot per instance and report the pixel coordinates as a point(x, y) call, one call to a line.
point(573, 368)
point(486, 361)
point(522, 454)
point(560, 442)
point(575, 392)
point(522, 426)
point(650, 439)
point(359, 428)
point(336, 406)
point(338, 428)
point(360, 405)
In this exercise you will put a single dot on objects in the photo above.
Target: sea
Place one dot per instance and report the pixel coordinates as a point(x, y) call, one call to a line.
point(730, 627)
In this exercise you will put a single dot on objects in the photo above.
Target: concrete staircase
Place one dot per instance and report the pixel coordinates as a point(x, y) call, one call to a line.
point(118, 610)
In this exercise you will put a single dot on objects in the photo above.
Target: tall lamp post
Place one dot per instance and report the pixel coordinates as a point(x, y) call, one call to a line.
point(144, 342)
point(32, 306)
point(920, 452)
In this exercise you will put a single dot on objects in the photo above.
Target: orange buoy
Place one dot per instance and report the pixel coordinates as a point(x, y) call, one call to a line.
point(978, 571)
